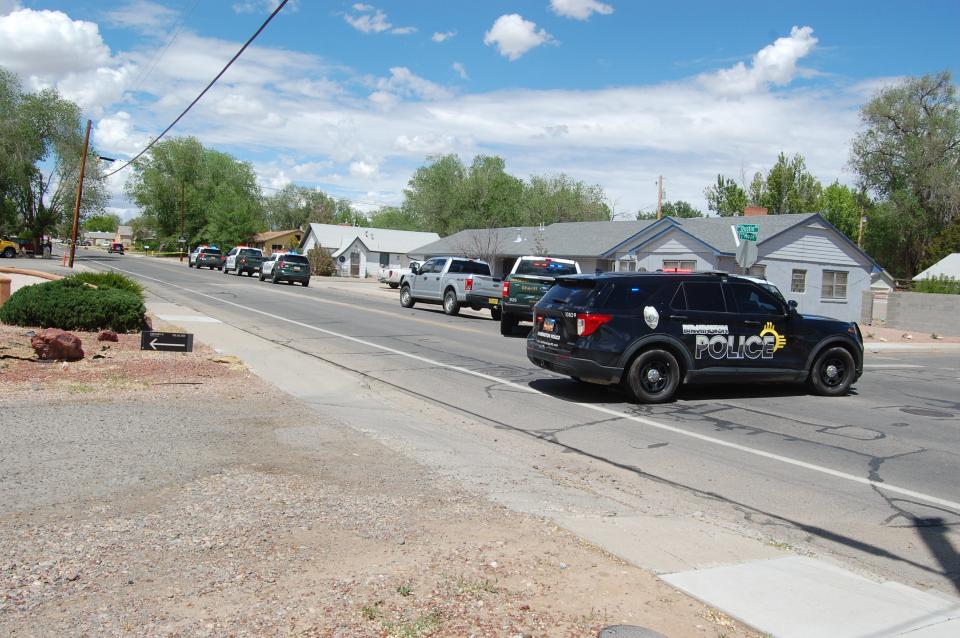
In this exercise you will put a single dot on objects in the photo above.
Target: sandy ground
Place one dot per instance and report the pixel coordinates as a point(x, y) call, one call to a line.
point(177, 494)
point(882, 334)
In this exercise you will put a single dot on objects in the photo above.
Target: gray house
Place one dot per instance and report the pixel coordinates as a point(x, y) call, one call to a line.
point(804, 255)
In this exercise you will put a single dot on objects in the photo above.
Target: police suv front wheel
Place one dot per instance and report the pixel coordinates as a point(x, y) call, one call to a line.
point(833, 372)
point(653, 377)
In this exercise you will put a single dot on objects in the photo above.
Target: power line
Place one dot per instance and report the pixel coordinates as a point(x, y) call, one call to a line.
point(204, 91)
point(159, 53)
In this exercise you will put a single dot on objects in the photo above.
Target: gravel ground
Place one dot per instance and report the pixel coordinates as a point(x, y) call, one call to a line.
point(178, 495)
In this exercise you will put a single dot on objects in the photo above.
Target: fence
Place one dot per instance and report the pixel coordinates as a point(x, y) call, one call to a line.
point(924, 312)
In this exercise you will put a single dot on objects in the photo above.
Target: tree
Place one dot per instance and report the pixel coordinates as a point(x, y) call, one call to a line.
point(490, 196)
point(40, 148)
point(787, 188)
point(212, 195)
point(395, 218)
point(908, 154)
point(946, 243)
point(321, 261)
point(679, 209)
point(102, 223)
point(296, 206)
point(842, 207)
point(726, 198)
point(433, 194)
point(558, 198)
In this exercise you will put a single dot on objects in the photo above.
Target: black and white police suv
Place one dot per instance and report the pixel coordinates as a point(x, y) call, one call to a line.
point(651, 332)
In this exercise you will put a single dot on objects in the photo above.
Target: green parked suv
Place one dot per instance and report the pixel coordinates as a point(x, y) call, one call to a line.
point(288, 267)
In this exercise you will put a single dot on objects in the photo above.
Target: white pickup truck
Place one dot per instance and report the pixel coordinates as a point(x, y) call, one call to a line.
point(453, 282)
point(393, 276)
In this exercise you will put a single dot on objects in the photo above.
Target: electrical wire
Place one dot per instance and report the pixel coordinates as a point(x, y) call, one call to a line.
point(204, 91)
point(159, 53)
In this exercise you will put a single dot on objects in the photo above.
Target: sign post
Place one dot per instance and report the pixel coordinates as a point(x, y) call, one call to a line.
point(166, 341)
point(746, 236)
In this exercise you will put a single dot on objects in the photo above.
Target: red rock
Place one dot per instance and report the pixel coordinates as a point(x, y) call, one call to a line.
point(58, 345)
point(108, 335)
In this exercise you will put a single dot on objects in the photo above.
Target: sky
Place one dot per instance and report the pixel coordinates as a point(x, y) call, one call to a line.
point(352, 98)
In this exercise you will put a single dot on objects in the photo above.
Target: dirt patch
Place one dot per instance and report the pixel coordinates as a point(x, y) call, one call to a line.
point(294, 525)
point(882, 334)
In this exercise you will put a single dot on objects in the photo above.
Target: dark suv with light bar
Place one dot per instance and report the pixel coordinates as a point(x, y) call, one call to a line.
point(650, 332)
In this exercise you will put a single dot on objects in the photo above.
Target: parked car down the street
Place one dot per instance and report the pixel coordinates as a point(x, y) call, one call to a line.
point(529, 279)
point(243, 259)
point(288, 266)
point(206, 257)
point(8, 249)
point(115, 247)
point(452, 282)
point(394, 276)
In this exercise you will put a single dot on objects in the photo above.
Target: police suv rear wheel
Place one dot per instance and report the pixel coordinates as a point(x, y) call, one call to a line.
point(833, 372)
point(653, 377)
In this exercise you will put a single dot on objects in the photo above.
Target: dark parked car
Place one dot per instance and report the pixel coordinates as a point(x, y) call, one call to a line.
point(115, 247)
point(651, 332)
point(288, 267)
point(206, 257)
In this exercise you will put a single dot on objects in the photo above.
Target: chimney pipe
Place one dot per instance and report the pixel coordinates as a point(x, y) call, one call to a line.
point(754, 211)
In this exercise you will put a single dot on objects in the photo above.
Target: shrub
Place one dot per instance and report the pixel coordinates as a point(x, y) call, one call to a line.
point(112, 280)
point(321, 261)
point(68, 304)
point(940, 284)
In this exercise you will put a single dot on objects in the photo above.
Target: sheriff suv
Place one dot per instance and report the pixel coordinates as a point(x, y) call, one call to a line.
point(650, 332)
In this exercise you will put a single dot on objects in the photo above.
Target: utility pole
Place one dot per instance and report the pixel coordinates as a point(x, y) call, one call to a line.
point(76, 209)
point(183, 188)
point(660, 197)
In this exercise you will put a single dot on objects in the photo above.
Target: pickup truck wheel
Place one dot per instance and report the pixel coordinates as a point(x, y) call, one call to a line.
point(305, 283)
point(833, 372)
point(508, 323)
point(406, 299)
point(9, 252)
point(496, 313)
point(653, 377)
point(393, 285)
point(450, 304)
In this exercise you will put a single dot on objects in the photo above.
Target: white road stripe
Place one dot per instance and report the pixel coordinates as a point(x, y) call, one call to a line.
point(892, 365)
point(587, 406)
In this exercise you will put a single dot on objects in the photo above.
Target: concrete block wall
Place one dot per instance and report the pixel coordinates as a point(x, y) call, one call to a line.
point(924, 312)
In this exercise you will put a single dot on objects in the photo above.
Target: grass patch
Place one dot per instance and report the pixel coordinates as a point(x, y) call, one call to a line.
point(484, 586)
point(404, 590)
point(80, 388)
point(424, 625)
point(370, 612)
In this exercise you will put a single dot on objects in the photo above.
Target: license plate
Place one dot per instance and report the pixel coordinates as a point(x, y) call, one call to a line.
point(493, 301)
point(549, 324)
point(296, 268)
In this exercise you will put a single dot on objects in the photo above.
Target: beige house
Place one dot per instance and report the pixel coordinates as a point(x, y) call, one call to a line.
point(274, 240)
point(124, 235)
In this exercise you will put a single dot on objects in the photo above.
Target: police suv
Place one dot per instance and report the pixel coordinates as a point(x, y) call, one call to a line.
point(651, 332)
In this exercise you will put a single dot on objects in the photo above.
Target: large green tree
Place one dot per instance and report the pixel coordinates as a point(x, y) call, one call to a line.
point(559, 198)
point(842, 207)
point(788, 187)
point(41, 143)
point(433, 194)
point(908, 154)
point(395, 218)
point(726, 198)
point(295, 206)
point(102, 223)
point(180, 186)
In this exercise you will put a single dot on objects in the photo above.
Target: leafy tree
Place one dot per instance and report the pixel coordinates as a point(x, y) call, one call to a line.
point(787, 188)
point(102, 223)
point(321, 261)
point(296, 206)
point(40, 148)
point(726, 198)
point(680, 209)
point(490, 196)
point(212, 195)
point(842, 207)
point(558, 198)
point(433, 194)
point(395, 218)
point(946, 243)
point(908, 154)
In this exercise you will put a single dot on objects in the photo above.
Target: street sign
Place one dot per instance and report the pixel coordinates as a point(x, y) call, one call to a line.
point(170, 341)
point(748, 232)
point(747, 253)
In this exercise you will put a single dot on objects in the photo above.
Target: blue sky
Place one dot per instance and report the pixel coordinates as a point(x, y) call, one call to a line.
point(352, 97)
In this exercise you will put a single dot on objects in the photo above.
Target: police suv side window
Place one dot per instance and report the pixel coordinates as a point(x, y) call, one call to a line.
point(755, 301)
point(704, 296)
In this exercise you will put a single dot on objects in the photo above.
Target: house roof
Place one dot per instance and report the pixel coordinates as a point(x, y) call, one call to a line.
point(715, 231)
point(273, 234)
point(949, 266)
point(124, 230)
point(335, 237)
point(98, 234)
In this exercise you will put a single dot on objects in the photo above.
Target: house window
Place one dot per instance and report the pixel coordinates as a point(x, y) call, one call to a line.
point(605, 265)
point(680, 264)
point(384, 260)
point(276, 247)
point(798, 282)
point(834, 284)
point(757, 270)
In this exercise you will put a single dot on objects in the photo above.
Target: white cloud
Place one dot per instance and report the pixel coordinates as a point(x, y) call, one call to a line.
point(264, 6)
point(442, 36)
point(373, 20)
point(141, 15)
point(45, 42)
point(115, 134)
point(579, 9)
point(405, 83)
point(514, 36)
point(461, 70)
point(363, 169)
point(773, 64)
point(7, 6)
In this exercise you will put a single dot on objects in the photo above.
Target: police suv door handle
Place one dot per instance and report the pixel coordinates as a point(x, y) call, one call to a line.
point(752, 322)
point(683, 317)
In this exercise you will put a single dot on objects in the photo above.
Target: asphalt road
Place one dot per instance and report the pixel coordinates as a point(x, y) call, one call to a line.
point(871, 478)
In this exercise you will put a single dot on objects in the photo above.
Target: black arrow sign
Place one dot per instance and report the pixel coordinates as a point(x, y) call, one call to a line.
point(172, 341)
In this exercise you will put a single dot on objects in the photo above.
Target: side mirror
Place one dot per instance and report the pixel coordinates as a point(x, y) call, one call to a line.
point(791, 308)
point(414, 269)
